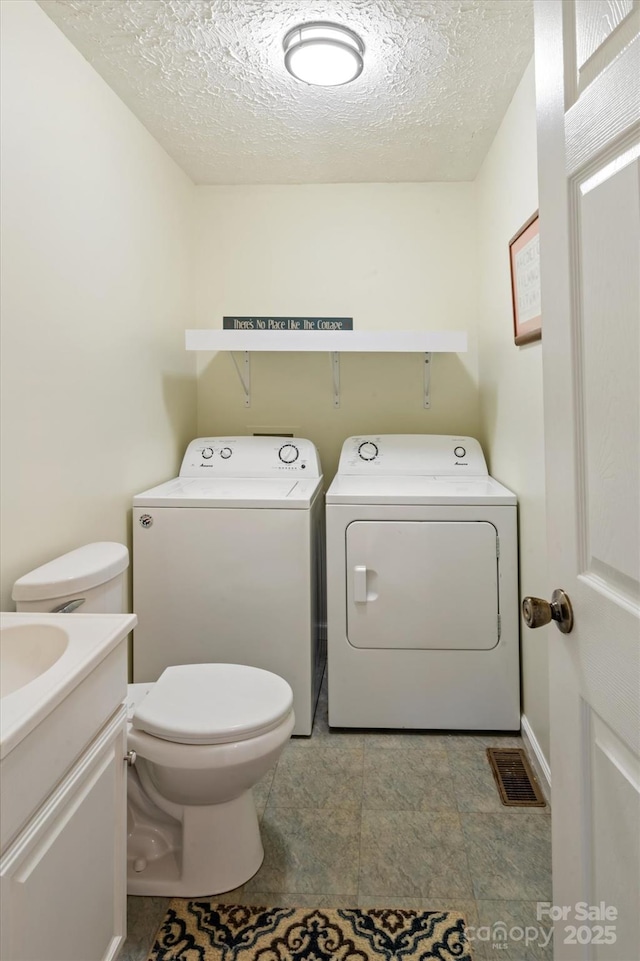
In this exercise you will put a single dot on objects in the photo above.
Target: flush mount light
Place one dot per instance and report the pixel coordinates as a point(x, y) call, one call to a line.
point(323, 54)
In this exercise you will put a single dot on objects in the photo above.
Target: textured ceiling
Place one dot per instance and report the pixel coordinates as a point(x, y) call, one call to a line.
point(207, 79)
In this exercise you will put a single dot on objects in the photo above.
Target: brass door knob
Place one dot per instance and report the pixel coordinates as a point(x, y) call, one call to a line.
point(538, 612)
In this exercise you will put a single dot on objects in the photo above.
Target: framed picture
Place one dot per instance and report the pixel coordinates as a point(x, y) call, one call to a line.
point(524, 255)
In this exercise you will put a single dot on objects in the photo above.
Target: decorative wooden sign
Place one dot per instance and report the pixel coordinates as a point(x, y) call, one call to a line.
point(287, 323)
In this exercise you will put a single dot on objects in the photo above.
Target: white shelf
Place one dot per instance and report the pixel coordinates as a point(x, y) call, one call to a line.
point(391, 341)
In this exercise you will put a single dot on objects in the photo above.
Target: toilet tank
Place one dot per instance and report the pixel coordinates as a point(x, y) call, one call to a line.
point(93, 573)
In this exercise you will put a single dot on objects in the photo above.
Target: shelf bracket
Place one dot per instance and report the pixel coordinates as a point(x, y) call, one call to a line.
point(244, 373)
point(335, 372)
point(427, 381)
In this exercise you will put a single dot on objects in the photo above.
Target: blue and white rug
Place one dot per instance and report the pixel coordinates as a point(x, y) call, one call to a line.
point(205, 931)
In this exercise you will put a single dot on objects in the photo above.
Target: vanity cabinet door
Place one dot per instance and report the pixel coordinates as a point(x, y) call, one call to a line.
point(63, 880)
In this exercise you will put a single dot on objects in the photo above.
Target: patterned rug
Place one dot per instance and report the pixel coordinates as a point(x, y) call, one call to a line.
point(203, 931)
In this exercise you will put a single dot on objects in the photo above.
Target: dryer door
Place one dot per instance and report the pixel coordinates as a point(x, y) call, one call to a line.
point(427, 585)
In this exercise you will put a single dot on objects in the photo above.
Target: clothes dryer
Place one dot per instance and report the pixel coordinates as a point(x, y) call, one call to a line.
point(422, 587)
point(228, 564)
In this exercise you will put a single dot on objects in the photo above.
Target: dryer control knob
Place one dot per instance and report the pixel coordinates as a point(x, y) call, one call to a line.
point(368, 450)
point(207, 453)
point(459, 452)
point(288, 453)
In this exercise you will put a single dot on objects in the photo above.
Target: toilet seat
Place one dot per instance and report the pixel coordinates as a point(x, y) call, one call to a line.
point(213, 704)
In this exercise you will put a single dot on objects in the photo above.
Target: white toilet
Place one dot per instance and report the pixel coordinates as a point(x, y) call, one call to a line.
point(202, 736)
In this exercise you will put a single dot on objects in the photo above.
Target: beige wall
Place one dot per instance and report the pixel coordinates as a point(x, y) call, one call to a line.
point(389, 255)
point(511, 377)
point(100, 266)
point(98, 395)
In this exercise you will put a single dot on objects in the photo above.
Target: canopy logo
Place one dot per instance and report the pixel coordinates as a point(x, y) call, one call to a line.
point(500, 935)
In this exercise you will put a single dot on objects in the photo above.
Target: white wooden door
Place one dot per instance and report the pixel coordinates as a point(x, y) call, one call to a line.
point(588, 93)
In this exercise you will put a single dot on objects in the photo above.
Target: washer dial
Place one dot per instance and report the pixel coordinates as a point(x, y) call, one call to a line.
point(288, 453)
point(226, 453)
point(207, 453)
point(368, 450)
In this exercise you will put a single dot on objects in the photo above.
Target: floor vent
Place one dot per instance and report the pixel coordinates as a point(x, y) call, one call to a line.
point(515, 779)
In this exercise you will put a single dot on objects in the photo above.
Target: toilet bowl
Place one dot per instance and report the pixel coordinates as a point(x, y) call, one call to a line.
point(199, 739)
point(203, 736)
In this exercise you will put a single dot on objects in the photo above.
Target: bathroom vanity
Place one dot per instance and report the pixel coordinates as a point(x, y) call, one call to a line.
point(63, 786)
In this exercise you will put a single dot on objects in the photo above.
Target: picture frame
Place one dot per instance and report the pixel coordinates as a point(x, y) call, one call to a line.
point(524, 259)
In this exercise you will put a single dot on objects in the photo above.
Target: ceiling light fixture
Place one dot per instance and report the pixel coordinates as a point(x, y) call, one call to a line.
point(323, 54)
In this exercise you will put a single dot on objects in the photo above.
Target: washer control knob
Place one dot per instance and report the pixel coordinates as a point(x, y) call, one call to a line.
point(288, 453)
point(368, 450)
point(459, 452)
point(207, 453)
point(226, 453)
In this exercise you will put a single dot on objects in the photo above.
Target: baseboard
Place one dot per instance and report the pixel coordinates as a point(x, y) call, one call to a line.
point(537, 758)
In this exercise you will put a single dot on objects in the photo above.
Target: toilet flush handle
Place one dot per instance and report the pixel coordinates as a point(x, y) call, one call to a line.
point(131, 758)
point(69, 606)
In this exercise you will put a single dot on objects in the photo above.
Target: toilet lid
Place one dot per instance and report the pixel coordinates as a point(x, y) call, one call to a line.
point(213, 703)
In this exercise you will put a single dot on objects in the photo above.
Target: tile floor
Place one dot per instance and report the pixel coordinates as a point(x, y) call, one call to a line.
point(353, 818)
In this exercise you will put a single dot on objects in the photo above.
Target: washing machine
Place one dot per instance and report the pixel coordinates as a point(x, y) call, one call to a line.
point(228, 564)
point(422, 587)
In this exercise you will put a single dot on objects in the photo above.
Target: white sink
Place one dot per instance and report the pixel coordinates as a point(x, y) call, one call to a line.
point(63, 675)
point(27, 651)
point(60, 650)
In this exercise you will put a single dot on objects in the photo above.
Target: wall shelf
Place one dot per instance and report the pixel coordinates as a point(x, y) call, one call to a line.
point(384, 341)
point(426, 342)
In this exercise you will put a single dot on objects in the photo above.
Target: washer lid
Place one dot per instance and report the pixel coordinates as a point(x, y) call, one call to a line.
point(213, 704)
point(247, 492)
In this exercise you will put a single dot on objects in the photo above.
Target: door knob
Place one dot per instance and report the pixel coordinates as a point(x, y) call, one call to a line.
point(537, 612)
